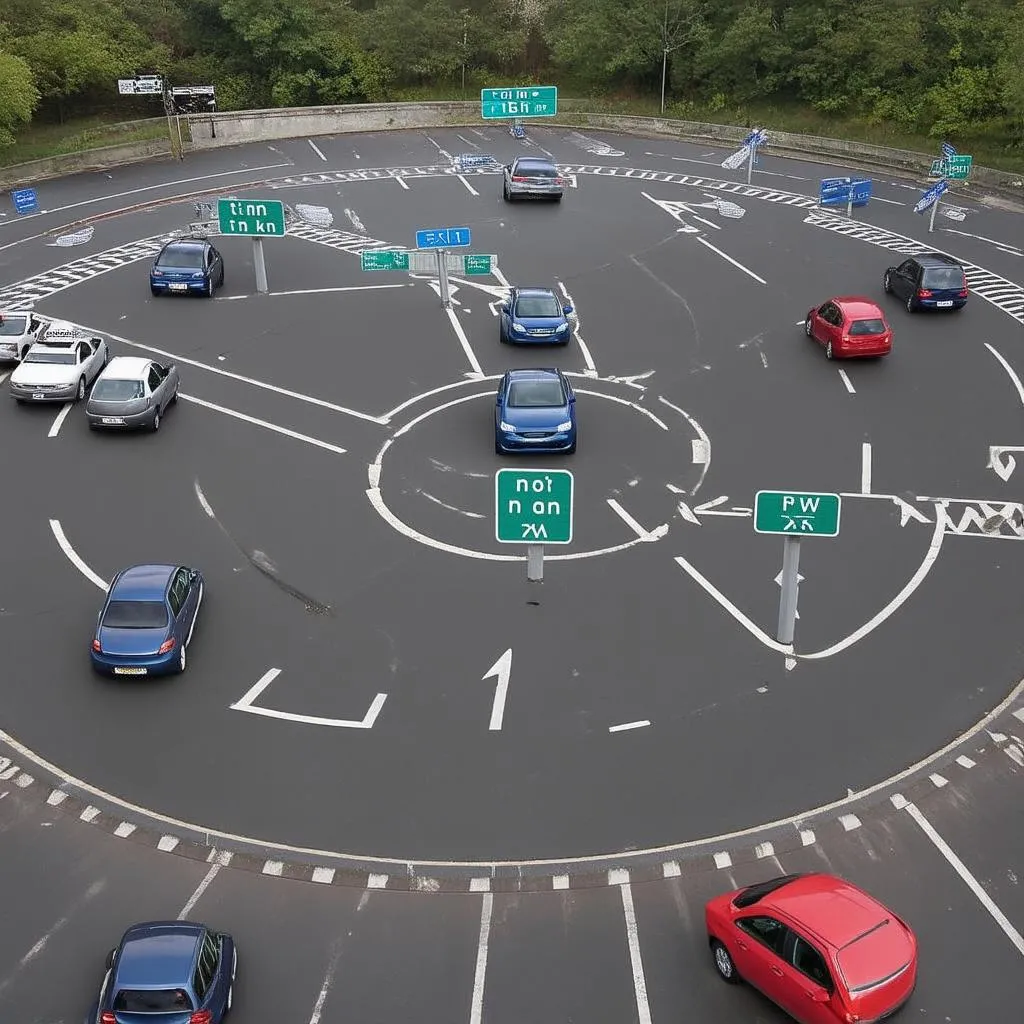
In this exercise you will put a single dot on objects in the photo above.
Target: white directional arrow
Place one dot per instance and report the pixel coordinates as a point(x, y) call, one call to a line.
point(246, 704)
point(710, 508)
point(908, 512)
point(1002, 464)
point(502, 669)
point(799, 580)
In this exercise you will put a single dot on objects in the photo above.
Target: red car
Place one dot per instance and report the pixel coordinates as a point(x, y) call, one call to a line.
point(819, 947)
point(849, 326)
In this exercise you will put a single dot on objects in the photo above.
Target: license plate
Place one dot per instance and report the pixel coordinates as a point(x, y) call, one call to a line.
point(944, 305)
point(37, 395)
point(124, 670)
point(113, 420)
point(179, 287)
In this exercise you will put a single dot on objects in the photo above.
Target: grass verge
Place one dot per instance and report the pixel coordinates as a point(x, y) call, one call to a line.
point(40, 141)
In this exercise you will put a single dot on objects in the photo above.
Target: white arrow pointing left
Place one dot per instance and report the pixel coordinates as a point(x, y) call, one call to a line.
point(502, 668)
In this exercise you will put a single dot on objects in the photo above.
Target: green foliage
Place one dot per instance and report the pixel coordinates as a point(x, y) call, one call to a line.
point(18, 95)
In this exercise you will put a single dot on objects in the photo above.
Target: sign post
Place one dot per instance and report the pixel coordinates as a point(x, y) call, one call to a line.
point(535, 506)
point(758, 137)
point(852, 191)
point(256, 218)
point(930, 198)
point(794, 514)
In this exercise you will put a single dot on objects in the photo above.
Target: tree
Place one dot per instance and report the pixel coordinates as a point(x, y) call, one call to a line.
point(1010, 70)
point(18, 96)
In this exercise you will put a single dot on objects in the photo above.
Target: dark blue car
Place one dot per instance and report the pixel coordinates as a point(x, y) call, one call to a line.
point(147, 620)
point(534, 316)
point(174, 972)
point(931, 280)
point(189, 266)
point(535, 411)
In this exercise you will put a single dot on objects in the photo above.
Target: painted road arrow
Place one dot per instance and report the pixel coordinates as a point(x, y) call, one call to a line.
point(1000, 463)
point(502, 670)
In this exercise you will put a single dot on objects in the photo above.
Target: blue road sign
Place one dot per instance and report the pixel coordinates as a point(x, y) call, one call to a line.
point(841, 191)
point(931, 196)
point(758, 137)
point(25, 200)
point(947, 151)
point(861, 191)
point(475, 160)
point(442, 238)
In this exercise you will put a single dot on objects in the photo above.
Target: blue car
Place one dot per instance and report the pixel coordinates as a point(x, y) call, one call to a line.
point(174, 972)
point(931, 280)
point(535, 411)
point(147, 621)
point(534, 316)
point(189, 266)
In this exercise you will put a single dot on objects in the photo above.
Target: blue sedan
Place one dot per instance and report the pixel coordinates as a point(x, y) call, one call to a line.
point(147, 621)
point(174, 972)
point(534, 316)
point(535, 411)
point(189, 266)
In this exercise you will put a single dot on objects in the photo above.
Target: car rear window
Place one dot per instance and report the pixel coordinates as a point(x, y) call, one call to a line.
point(190, 258)
point(159, 1000)
point(867, 327)
point(538, 305)
point(135, 615)
point(117, 390)
point(536, 393)
point(943, 277)
point(13, 325)
point(537, 171)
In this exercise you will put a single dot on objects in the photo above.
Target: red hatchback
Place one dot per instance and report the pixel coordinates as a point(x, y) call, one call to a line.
point(849, 326)
point(819, 947)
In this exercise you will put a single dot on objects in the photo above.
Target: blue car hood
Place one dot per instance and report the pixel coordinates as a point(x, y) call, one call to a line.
point(540, 323)
point(132, 642)
point(547, 418)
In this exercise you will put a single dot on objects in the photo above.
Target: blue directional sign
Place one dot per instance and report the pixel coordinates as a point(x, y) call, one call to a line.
point(947, 151)
point(442, 238)
point(931, 196)
point(758, 137)
point(475, 160)
point(842, 191)
point(25, 200)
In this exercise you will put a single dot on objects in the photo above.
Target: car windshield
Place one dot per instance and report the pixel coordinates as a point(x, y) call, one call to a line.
point(191, 259)
point(158, 1000)
point(867, 327)
point(13, 325)
point(538, 305)
point(56, 358)
point(536, 394)
point(135, 615)
point(117, 390)
point(943, 277)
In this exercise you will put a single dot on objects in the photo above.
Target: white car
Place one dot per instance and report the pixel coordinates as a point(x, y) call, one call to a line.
point(59, 368)
point(19, 331)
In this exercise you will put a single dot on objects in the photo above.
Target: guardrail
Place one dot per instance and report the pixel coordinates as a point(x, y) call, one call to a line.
point(233, 128)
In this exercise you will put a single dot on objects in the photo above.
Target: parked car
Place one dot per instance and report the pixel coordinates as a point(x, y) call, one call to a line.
point(59, 368)
point(929, 281)
point(187, 265)
point(173, 972)
point(849, 326)
point(535, 411)
point(533, 176)
point(534, 316)
point(820, 948)
point(147, 620)
point(19, 331)
point(132, 392)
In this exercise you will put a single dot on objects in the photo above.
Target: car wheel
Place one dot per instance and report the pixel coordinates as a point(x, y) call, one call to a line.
point(182, 659)
point(156, 421)
point(807, 326)
point(80, 394)
point(828, 350)
point(887, 283)
point(174, 397)
point(911, 304)
point(155, 291)
point(723, 963)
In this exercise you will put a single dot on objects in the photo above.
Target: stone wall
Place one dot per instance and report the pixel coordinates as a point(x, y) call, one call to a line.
point(20, 175)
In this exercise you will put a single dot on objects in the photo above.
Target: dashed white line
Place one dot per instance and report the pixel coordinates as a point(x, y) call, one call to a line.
point(316, 149)
point(627, 726)
point(73, 557)
point(847, 383)
point(321, 291)
point(462, 178)
point(728, 258)
point(61, 417)
point(476, 1011)
point(643, 1007)
point(865, 468)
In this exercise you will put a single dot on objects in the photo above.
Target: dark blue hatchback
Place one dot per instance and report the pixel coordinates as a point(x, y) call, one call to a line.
point(534, 316)
point(931, 280)
point(147, 620)
point(176, 972)
point(535, 411)
point(187, 265)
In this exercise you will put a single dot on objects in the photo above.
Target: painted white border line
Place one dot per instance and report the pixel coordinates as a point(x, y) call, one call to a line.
point(73, 557)
point(476, 1010)
point(847, 383)
point(1009, 371)
point(725, 256)
point(61, 417)
point(636, 962)
point(626, 726)
point(316, 149)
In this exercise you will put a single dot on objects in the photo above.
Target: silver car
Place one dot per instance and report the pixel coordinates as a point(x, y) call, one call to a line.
point(19, 331)
point(132, 393)
point(533, 176)
point(58, 370)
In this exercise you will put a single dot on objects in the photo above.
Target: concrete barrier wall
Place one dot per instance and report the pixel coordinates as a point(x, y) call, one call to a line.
point(20, 175)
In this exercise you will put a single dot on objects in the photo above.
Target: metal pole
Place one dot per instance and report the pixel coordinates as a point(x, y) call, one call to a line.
point(849, 203)
point(213, 119)
point(261, 266)
point(789, 589)
point(931, 220)
point(170, 126)
point(535, 563)
point(750, 163)
point(181, 143)
point(664, 68)
point(442, 278)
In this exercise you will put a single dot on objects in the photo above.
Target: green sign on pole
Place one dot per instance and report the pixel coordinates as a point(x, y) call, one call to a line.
point(383, 259)
point(797, 513)
point(958, 167)
point(533, 506)
point(250, 217)
point(523, 101)
point(476, 264)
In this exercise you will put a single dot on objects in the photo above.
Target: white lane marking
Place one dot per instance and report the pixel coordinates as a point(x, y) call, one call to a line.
point(1005, 246)
point(464, 342)
point(891, 202)
point(148, 188)
point(462, 178)
point(321, 291)
point(377, 881)
point(848, 384)
point(622, 401)
point(206, 506)
point(643, 1007)
point(476, 1011)
point(502, 670)
point(401, 181)
point(200, 889)
point(588, 359)
point(865, 468)
point(626, 726)
point(468, 142)
point(316, 442)
point(61, 417)
point(969, 880)
point(4, 376)
point(73, 558)
point(332, 965)
point(764, 360)
point(499, 276)
point(704, 451)
point(258, 687)
point(645, 535)
point(316, 149)
point(1009, 371)
point(726, 256)
point(451, 508)
point(324, 876)
point(246, 704)
point(671, 869)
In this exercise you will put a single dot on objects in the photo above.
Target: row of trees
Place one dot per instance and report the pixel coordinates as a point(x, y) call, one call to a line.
point(945, 66)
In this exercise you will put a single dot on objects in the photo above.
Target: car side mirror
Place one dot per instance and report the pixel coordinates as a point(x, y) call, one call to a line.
point(567, 310)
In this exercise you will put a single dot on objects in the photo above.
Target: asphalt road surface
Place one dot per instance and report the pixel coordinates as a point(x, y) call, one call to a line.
point(374, 677)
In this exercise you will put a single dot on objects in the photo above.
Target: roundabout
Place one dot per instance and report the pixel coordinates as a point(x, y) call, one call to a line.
point(330, 469)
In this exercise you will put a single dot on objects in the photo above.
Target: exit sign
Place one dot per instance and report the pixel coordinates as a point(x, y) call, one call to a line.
point(797, 513)
point(533, 506)
point(522, 101)
point(250, 217)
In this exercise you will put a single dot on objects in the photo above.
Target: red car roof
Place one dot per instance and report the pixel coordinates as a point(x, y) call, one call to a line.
point(857, 307)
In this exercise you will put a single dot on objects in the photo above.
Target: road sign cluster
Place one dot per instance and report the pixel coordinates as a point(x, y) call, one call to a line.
point(443, 238)
point(844, 191)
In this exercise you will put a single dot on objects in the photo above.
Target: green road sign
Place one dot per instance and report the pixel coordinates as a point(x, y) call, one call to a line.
point(797, 513)
point(533, 506)
point(958, 167)
point(476, 264)
point(250, 217)
point(521, 101)
point(383, 259)
point(938, 169)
